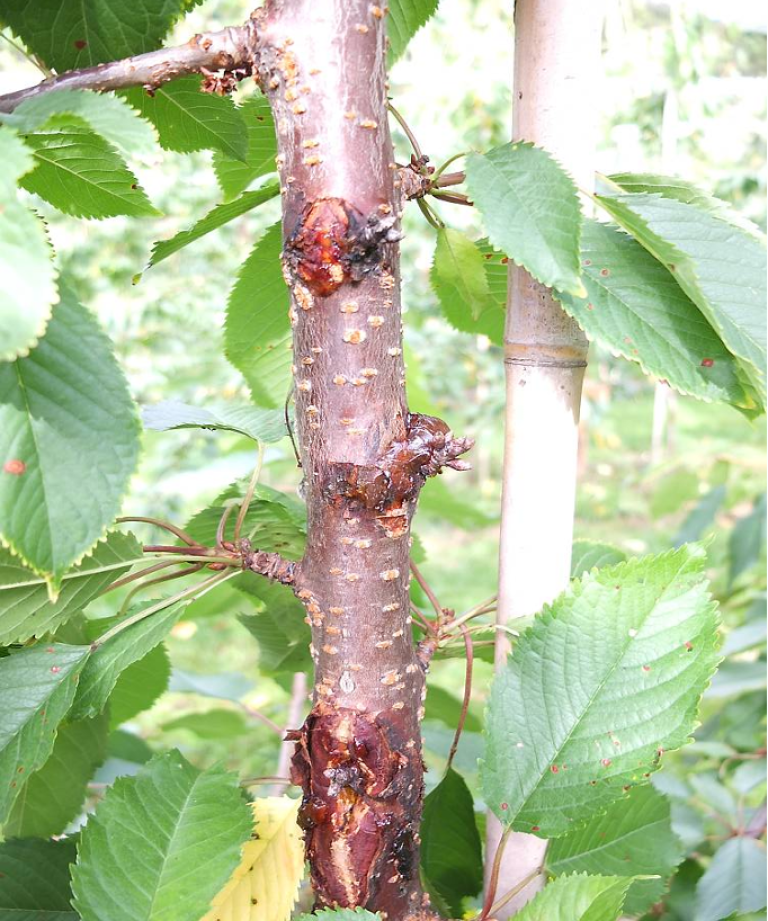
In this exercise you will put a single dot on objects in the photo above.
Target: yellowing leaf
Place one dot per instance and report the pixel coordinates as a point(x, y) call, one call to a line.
point(265, 885)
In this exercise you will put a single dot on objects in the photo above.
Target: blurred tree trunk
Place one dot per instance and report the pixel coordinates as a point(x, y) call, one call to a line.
point(557, 56)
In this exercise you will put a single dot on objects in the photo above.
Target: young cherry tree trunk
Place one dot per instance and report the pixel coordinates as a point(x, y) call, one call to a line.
point(557, 56)
point(364, 456)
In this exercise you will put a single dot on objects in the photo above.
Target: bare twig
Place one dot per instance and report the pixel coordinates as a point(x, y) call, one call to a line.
point(428, 592)
point(508, 896)
point(493, 881)
point(248, 498)
point(230, 50)
point(159, 523)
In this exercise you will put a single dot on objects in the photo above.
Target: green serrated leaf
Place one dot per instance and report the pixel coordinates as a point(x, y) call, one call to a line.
point(633, 837)
point(37, 686)
point(139, 686)
point(234, 175)
point(607, 678)
point(635, 307)
point(451, 853)
point(68, 34)
point(34, 880)
point(106, 115)
point(578, 898)
point(734, 881)
point(81, 174)
point(680, 190)
point(257, 332)
point(458, 275)
point(70, 432)
point(267, 425)
point(588, 554)
point(720, 267)
point(405, 19)
point(28, 292)
point(26, 611)
point(53, 796)
point(188, 119)
point(110, 659)
point(531, 210)
point(140, 854)
point(221, 214)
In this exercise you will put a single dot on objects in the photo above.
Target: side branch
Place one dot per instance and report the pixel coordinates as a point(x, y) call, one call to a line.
point(231, 50)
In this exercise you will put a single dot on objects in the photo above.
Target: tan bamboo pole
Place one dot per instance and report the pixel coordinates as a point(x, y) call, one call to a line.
point(557, 55)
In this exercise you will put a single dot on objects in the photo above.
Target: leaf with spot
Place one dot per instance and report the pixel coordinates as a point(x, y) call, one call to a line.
point(69, 439)
point(451, 853)
point(218, 217)
point(735, 881)
point(578, 898)
point(531, 211)
point(34, 880)
point(29, 289)
point(257, 331)
point(267, 425)
point(720, 267)
point(106, 115)
point(235, 175)
point(405, 19)
point(26, 610)
point(53, 796)
point(634, 306)
point(188, 119)
point(633, 837)
point(68, 34)
point(265, 885)
point(81, 174)
point(140, 854)
point(607, 677)
point(37, 686)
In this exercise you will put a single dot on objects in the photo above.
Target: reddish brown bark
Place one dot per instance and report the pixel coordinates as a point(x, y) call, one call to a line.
point(365, 458)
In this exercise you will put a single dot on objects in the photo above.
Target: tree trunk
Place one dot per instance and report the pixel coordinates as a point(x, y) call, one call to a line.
point(365, 458)
point(557, 51)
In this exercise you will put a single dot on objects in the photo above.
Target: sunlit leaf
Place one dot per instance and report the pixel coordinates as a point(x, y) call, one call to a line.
point(235, 175)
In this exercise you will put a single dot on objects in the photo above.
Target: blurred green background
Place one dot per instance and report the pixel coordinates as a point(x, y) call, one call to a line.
point(684, 92)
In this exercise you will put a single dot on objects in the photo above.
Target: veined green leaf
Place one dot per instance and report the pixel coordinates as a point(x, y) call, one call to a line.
point(110, 659)
point(139, 685)
point(458, 275)
point(633, 837)
point(81, 174)
point(635, 307)
point(588, 554)
point(606, 679)
point(735, 881)
point(720, 267)
point(279, 629)
point(26, 611)
point(221, 214)
point(29, 289)
point(140, 854)
point(405, 19)
point(188, 119)
point(578, 898)
point(53, 796)
point(451, 853)
point(109, 116)
point(531, 210)
point(234, 175)
point(257, 334)
point(37, 686)
point(34, 880)
point(267, 425)
point(686, 192)
point(73, 34)
point(70, 433)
